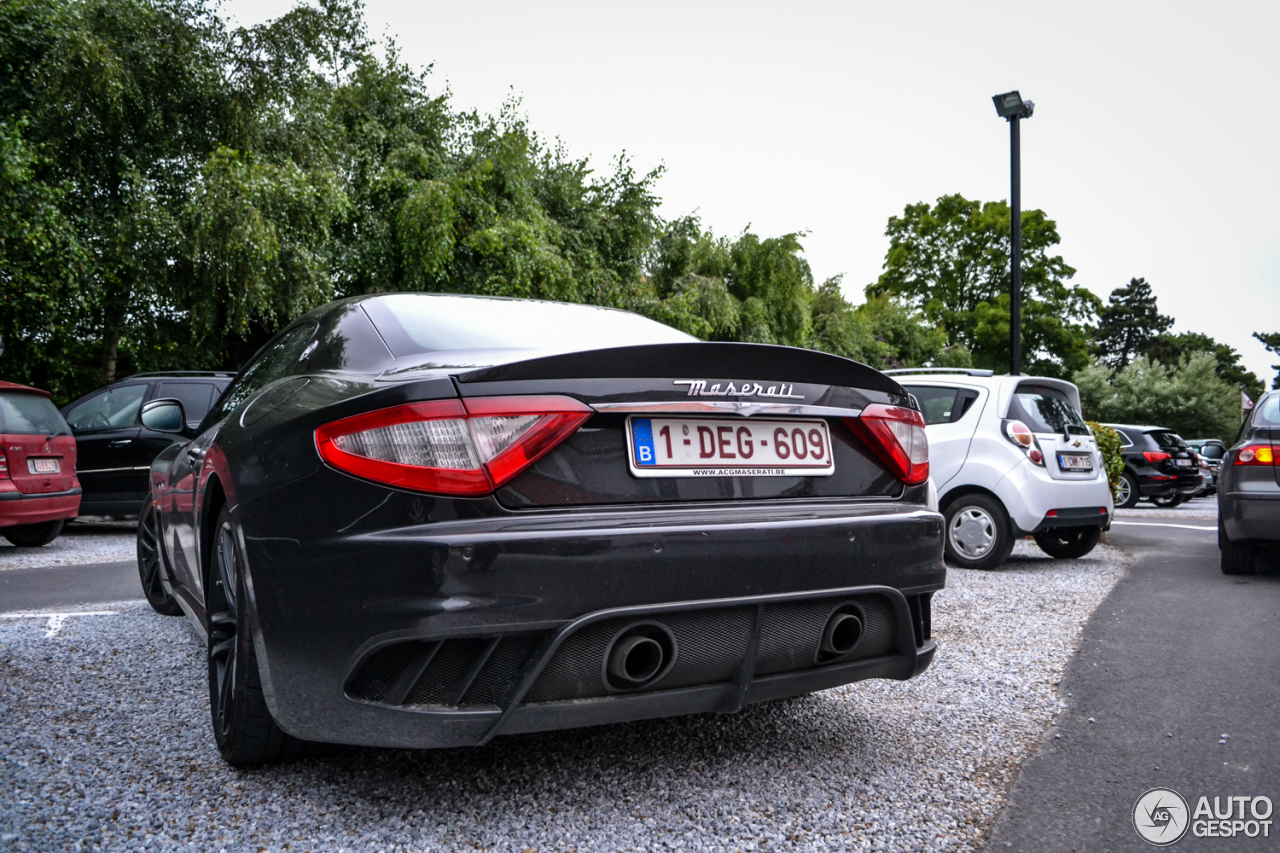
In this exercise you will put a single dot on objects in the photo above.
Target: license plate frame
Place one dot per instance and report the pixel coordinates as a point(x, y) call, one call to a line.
point(645, 432)
point(1086, 460)
point(43, 466)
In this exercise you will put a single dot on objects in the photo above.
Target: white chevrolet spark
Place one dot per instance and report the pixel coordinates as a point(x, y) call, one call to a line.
point(1010, 456)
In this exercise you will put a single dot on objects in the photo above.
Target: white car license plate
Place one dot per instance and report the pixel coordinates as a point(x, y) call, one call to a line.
point(1184, 463)
point(1075, 462)
point(718, 447)
point(43, 466)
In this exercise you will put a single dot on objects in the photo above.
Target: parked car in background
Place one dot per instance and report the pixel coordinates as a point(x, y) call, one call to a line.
point(1158, 465)
point(421, 520)
point(116, 449)
point(1010, 456)
point(1249, 489)
point(38, 486)
point(1211, 451)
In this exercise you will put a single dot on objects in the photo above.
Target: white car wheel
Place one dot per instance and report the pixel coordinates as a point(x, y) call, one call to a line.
point(973, 532)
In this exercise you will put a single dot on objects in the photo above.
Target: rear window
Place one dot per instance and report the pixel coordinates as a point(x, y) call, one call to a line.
point(1168, 440)
point(30, 414)
point(1045, 410)
point(418, 323)
point(1267, 413)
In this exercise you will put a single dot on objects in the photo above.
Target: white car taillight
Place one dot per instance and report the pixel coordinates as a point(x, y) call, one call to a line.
point(451, 447)
point(1021, 435)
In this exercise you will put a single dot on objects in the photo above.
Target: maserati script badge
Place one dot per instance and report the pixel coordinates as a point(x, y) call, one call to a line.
point(698, 388)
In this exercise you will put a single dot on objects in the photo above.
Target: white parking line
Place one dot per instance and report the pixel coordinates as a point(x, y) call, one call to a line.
point(56, 619)
point(1158, 524)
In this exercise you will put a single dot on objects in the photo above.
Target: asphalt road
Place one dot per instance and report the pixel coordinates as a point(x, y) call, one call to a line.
point(1177, 657)
point(63, 586)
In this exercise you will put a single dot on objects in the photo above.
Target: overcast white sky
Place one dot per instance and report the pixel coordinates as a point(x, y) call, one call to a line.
point(1154, 143)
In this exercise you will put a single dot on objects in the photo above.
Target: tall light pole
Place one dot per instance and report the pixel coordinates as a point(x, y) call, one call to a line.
point(1010, 106)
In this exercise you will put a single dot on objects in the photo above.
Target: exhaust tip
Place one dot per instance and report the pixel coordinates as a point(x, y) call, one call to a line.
point(841, 633)
point(638, 656)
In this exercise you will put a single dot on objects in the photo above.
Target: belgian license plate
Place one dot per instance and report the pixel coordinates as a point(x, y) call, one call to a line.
point(1075, 462)
point(1184, 463)
point(44, 466)
point(719, 447)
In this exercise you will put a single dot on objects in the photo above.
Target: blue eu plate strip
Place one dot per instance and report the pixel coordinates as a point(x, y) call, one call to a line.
point(642, 439)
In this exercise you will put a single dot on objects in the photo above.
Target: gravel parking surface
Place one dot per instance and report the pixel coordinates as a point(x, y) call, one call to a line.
point(81, 543)
point(105, 744)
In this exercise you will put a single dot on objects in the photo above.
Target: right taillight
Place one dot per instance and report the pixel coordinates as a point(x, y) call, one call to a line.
point(4, 465)
point(450, 447)
point(1255, 454)
point(1154, 456)
point(896, 435)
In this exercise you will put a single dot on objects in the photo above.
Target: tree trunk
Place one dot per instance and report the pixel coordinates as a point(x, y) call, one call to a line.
point(110, 351)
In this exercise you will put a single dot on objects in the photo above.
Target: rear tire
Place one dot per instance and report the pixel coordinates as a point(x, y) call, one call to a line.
point(1238, 556)
point(977, 533)
point(1170, 501)
point(1068, 543)
point(150, 567)
point(34, 535)
point(1129, 493)
point(243, 729)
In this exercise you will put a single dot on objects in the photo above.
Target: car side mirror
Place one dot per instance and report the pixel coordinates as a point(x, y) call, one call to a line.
point(164, 416)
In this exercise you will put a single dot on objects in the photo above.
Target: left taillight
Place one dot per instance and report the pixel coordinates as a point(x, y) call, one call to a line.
point(1255, 454)
point(896, 435)
point(4, 465)
point(450, 447)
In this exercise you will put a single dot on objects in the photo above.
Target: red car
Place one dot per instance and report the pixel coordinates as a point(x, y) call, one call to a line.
point(38, 486)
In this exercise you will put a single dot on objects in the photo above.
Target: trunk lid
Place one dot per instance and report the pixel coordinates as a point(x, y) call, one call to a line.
point(1051, 409)
point(38, 447)
point(718, 387)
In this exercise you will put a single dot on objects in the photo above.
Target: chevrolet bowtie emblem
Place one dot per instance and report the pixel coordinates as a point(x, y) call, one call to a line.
point(1075, 443)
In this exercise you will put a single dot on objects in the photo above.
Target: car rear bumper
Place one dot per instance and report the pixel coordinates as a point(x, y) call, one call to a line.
point(1163, 486)
point(1250, 515)
point(1029, 494)
point(18, 508)
point(448, 634)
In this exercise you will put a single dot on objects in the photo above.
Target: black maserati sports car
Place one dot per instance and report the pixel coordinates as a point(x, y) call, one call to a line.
point(425, 520)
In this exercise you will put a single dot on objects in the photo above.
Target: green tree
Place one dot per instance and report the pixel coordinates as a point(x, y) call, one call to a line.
point(1272, 343)
point(951, 261)
point(1130, 324)
point(1173, 349)
point(1187, 397)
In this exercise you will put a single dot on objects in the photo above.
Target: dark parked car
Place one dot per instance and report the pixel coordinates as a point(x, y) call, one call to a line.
point(1212, 451)
point(1249, 489)
point(1157, 465)
point(38, 486)
point(116, 448)
point(423, 521)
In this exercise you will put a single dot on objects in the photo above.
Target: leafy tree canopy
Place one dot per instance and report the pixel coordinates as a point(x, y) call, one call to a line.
point(1173, 349)
point(1130, 323)
point(1188, 396)
point(1272, 343)
point(951, 261)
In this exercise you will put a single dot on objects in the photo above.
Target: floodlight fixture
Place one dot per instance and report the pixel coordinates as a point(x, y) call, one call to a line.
point(1010, 105)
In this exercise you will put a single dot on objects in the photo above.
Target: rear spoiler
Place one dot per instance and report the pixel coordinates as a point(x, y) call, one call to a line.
point(696, 361)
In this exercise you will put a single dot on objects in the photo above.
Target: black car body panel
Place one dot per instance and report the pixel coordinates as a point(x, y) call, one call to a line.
point(383, 615)
point(1249, 495)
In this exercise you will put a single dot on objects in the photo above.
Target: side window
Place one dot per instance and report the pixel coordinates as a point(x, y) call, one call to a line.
point(1126, 440)
point(195, 397)
point(936, 404)
point(275, 362)
point(110, 409)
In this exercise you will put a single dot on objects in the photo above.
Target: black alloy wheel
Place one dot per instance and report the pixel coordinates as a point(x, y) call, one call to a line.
point(1127, 493)
point(34, 535)
point(1068, 543)
point(242, 725)
point(149, 567)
